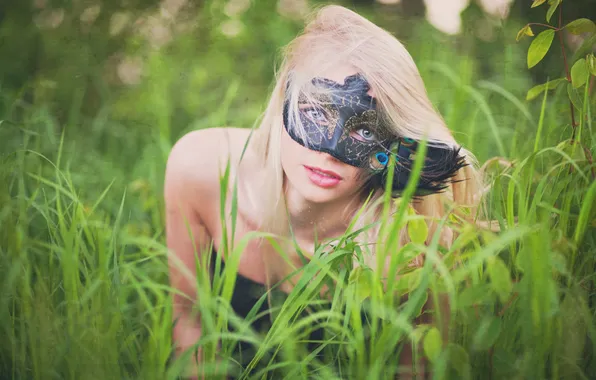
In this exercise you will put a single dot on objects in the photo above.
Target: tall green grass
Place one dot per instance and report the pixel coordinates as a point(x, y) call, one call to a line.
point(83, 262)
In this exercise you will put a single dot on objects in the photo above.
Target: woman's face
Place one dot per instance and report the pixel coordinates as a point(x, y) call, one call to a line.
point(318, 176)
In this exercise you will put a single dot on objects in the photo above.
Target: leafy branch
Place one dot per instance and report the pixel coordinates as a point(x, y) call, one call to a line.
point(578, 75)
point(579, 71)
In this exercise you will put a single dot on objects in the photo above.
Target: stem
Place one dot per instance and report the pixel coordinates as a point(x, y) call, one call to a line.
point(513, 298)
point(546, 26)
point(560, 33)
point(490, 362)
point(590, 160)
point(562, 45)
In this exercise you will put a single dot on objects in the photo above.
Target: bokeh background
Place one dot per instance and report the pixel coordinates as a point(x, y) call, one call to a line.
point(123, 79)
point(170, 66)
point(94, 93)
point(126, 54)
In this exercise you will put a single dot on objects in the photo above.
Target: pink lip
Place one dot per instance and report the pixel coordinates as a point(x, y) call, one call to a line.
point(331, 179)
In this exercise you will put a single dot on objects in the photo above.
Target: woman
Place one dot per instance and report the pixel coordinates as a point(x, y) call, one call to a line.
point(348, 99)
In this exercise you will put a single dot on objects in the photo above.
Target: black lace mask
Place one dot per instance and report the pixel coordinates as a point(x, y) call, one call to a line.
point(344, 123)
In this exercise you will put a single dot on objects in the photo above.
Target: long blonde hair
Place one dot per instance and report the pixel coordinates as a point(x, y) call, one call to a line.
point(335, 35)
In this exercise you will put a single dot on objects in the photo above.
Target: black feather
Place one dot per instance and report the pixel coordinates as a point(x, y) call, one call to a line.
point(442, 162)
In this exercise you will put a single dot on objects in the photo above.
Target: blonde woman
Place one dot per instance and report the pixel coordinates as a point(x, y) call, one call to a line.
point(348, 99)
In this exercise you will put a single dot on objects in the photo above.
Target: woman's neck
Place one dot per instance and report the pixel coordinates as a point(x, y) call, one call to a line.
point(318, 221)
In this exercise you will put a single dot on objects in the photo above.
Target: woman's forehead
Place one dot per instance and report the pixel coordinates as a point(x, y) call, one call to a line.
point(338, 73)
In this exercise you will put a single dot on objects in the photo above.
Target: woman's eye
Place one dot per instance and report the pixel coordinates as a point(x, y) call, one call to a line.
point(365, 134)
point(316, 115)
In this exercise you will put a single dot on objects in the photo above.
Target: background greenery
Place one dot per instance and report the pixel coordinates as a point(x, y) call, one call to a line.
point(94, 94)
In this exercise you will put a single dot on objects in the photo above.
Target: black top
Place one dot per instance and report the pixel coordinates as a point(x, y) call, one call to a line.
point(247, 293)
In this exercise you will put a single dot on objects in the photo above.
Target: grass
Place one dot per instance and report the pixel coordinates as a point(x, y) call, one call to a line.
point(83, 268)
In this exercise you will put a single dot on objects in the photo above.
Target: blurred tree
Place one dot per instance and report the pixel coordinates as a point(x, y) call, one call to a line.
point(56, 48)
point(551, 66)
point(66, 53)
point(19, 43)
point(571, 10)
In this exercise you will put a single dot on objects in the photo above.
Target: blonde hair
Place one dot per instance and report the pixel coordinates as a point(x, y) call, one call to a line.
point(335, 35)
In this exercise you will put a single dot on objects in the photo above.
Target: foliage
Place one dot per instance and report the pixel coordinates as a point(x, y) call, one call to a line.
point(85, 292)
point(581, 68)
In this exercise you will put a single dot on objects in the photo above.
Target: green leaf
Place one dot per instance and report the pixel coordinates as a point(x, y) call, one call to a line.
point(363, 278)
point(579, 73)
point(575, 97)
point(414, 279)
point(559, 263)
point(573, 148)
point(553, 7)
point(487, 333)
point(407, 281)
point(537, 3)
point(432, 344)
point(550, 85)
point(500, 278)
point(488, 236)
point(417, 230)
point(466, 237)
point(473, 295)
point(521, 260)
point(584, 214)
point(419, 332)
point(539, 47)
point(535, 91)
point(460, 361)
point(420, 305)
point(575, 322)
point(591, 63)
point(525, 31)
point(580, 26)
point(585, 48)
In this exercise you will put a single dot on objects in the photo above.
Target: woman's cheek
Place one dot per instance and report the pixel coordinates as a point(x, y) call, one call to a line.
point(355, 178)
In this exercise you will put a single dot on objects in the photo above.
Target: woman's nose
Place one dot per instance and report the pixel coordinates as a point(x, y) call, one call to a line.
point(328, 157)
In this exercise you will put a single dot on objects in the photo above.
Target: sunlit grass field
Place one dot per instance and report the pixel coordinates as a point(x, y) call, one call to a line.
point(83, 270)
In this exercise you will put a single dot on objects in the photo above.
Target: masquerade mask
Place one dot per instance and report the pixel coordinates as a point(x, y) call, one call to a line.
point(344, 123)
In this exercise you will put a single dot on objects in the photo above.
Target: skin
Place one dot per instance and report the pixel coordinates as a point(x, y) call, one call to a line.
point(192, 198)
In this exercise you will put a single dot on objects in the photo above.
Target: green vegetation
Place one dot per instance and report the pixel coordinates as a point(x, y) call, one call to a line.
point(82, 251)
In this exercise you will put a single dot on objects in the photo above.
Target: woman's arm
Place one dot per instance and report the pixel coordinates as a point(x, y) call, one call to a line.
point(411, 370)
point(180, 225)
point(429, 316)
point(187, 192)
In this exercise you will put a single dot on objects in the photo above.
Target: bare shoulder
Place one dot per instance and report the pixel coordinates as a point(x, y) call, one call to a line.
point(198, 159)
point(212, 146)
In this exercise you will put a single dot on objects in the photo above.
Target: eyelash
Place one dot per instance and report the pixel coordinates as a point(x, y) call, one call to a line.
point(320, 115)
point(374, 138)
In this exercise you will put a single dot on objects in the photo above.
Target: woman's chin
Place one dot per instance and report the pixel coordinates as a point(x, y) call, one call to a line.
point(314, 194)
